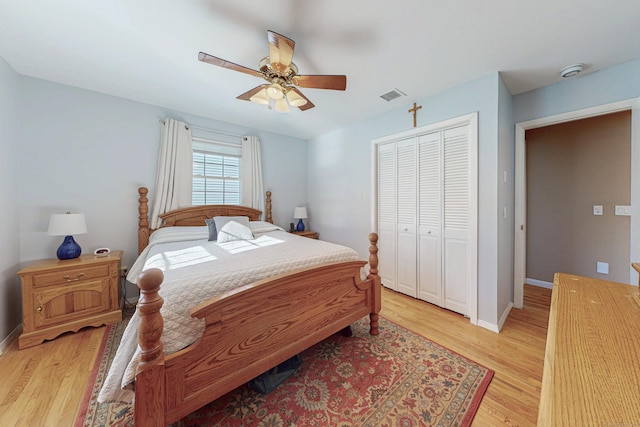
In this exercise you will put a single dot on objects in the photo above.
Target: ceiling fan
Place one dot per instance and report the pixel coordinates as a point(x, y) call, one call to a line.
point(282, 76)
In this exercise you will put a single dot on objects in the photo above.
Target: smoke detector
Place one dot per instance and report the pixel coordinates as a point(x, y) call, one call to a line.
point(571, 71)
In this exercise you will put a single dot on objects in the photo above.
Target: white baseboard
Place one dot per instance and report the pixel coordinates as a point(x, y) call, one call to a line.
point(12, 336)
point(490, 326)
point(504, 316)
point(538, 283)
point(496, 328)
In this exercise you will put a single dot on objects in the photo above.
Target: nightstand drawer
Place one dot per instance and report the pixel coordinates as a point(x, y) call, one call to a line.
point(308, 234)
point(64, 296)
point(71, 275)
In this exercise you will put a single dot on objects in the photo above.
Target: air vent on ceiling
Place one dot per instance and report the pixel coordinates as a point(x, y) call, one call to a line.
point(392, 94)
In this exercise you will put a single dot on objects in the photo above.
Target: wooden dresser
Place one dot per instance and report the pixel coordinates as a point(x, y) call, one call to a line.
point(591, 373)
point(62, 296)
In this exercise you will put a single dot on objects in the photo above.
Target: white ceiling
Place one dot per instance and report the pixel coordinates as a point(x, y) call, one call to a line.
point(147, 51)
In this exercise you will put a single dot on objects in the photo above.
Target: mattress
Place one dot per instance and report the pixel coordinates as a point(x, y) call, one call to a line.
point(195, 270)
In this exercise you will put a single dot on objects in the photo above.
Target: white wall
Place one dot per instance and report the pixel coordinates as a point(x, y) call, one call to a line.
point(10, 313)
point(340, 173)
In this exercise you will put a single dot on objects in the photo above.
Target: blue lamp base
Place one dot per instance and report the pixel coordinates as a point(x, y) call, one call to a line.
point(300, 226)
point(69, 249)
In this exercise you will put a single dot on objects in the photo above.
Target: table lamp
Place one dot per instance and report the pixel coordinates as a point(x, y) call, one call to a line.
point(66, 225)
point(300, 213)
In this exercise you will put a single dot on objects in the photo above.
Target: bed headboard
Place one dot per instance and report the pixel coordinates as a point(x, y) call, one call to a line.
point(191, 216)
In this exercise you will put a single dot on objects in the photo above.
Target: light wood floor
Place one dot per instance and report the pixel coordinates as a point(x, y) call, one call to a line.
point(43, 385)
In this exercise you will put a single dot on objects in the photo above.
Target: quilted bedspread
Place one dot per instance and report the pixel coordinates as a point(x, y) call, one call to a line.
point(195, 270)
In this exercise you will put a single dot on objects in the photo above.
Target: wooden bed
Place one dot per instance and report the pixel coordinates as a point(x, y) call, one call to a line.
point(248, 330)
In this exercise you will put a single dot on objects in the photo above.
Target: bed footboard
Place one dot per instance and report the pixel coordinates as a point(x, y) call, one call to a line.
point(248, 331)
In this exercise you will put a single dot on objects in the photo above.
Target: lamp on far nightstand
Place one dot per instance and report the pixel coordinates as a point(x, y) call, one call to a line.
point(300, 213)
point(66, 225)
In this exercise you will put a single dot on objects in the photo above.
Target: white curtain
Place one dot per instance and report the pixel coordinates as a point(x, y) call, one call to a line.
point(174, 177)
point(252, 187)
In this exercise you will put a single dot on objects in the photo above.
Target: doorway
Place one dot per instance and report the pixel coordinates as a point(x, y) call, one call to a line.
point(520, 231)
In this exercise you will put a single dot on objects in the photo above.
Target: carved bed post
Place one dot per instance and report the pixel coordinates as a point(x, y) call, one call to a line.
point(373, 273)
point(149, 387)
point(143, 219)
point(268, 216)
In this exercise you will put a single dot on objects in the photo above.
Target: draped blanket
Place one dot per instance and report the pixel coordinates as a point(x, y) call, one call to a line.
point(195, 270)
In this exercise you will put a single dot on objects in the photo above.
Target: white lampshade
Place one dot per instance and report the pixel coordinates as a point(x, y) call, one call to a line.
point(300, 212)
point(295, 100)
point(281, 105)
point(261, 97)
point(66, 224)
point(275, 91)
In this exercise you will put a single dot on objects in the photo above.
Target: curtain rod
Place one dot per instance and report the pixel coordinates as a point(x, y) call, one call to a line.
point(209, 130)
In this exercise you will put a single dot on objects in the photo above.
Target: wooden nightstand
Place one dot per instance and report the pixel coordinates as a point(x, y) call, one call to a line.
point(63, 296)
point(309, 234)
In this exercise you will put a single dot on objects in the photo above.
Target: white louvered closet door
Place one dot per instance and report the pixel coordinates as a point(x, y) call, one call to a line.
point(455, 175)
point(427, 213)
point(430, 223)
point(386, 164)
point(406, 217)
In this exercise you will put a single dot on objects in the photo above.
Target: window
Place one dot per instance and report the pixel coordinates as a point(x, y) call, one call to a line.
point(216, 173)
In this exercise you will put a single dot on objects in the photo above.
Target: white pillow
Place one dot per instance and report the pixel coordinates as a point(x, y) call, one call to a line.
point(263, 227)
point(232, 228)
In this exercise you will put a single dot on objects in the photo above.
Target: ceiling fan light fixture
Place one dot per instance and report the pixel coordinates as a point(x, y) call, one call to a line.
point(275, 91)
point(295, 100)
point(281, 105)
point(260, 97)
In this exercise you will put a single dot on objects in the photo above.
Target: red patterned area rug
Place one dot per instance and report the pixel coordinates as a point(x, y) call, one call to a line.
point(395, 379)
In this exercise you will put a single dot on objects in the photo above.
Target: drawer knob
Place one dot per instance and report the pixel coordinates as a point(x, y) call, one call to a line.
point(69, 279)
point(39, 309)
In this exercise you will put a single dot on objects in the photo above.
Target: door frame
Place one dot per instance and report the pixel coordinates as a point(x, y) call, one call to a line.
point(472, 120)
point(520, 225)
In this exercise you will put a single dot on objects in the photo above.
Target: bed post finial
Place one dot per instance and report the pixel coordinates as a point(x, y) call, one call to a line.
point(268, 217)
point(143, 219)
point(151, 321)
point(373, 253)
point(373, 274)
point(149, 388)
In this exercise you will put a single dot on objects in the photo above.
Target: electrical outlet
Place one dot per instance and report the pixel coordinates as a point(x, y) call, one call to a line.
point(123, 271)
point(602, 267)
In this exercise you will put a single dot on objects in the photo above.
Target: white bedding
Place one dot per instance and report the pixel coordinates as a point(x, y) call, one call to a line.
point(212, 269)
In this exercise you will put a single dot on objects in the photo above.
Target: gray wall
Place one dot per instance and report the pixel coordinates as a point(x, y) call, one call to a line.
point(10, 241)
point(618, 83)
point(340, 173)
point(73, 149)
point(506, 200)
point(88, 152)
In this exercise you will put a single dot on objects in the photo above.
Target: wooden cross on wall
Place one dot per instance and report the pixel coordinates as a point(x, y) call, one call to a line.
point(414, 110)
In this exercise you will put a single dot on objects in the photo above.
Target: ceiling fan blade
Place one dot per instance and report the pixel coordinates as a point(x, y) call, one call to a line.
point(306, 106)
point(280, 51)
point(204, 57)
point(321, 82)
point(247, 95)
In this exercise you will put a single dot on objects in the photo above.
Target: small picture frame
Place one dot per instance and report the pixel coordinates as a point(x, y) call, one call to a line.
point(102, 252)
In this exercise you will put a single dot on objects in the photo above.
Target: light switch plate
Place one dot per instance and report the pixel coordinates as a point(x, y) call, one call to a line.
point(597, 209)
point(623, 210)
